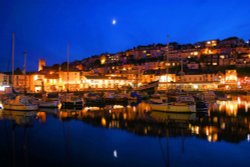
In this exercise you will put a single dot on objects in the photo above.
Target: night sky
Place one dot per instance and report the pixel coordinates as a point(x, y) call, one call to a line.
point(44, 27)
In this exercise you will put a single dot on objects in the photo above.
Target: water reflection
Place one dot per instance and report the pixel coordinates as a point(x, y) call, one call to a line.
point(232, 107)
point(19, 118)
point(71, 129)
point(225, 120)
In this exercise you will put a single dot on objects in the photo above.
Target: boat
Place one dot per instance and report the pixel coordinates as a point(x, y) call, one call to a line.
point(224, 98)
point(114, 98)
point(151, 85)
point(49, 101)
point(49, 104)
point(173, 107)
point(92, 97)
point(20, 103)
point(208, 96)
point(174, 101)
point(69, 100)
point(158, 98)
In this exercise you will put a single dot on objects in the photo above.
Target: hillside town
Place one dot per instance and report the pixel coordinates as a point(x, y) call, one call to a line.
point(207, 65)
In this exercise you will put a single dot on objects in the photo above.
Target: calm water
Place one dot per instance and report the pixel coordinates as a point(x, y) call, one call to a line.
point(127, 136)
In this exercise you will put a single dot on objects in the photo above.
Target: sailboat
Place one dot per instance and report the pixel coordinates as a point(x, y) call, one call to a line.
point(49, 101)
point(19, 102)
point(179, 102)
point(69, 100)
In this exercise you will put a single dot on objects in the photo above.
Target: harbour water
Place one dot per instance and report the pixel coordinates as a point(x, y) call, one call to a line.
point(133, 136)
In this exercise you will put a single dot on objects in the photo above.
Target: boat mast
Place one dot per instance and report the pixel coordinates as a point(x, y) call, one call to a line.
point(12, 58)
point(167, 62)
point(24, 70)
point(167, 48)
point(68, 52)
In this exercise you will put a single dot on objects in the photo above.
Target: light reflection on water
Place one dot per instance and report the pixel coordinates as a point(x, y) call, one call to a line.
point(220, 120)
point(225, 122)
point(232, 107)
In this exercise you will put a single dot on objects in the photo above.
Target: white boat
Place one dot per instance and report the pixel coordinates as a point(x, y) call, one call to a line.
point(21, 103)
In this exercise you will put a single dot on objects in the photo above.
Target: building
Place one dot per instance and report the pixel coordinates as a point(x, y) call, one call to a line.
point(41, 64)
point(104, 83)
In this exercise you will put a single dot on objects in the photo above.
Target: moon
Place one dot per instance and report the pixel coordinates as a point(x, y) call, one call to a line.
point(114, 22)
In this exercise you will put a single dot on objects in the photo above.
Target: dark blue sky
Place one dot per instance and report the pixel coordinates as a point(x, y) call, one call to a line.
point(44, 27)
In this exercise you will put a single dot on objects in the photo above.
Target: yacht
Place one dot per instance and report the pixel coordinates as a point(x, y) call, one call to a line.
point(20, 102)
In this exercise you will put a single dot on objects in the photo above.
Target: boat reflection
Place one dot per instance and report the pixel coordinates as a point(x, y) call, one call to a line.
point(20, 118)
point(19, 124)
point(225, 120)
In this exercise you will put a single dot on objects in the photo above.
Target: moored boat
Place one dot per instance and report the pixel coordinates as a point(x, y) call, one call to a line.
point(177, 103)
point(174, 107)
point(49, 104)
point(21, 103)
point(207, 96)
point(70, 100)
point(49, 101)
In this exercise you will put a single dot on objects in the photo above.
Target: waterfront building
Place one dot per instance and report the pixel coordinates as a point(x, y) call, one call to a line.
point(190, 82)
point(4, 79)
point(4, 82)
point(104, 83)
point(21, 82)
point(37, 82)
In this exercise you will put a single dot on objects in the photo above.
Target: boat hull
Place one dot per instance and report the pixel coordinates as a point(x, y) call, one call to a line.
point(20, 107)
point(173, 108)
point(49, 104)
point(72, 104)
